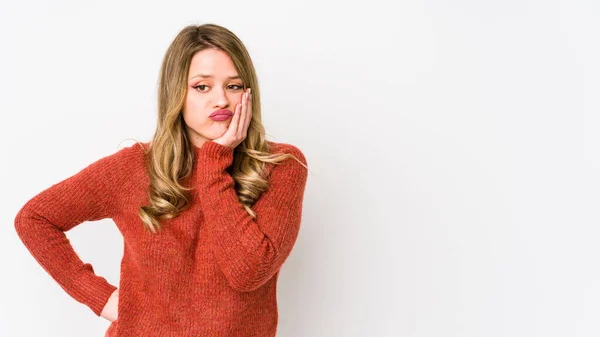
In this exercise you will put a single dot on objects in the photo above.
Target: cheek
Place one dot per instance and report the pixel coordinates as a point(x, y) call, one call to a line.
point(194, 101)
point(235, 103)
point(191, 104)
point(192, 114)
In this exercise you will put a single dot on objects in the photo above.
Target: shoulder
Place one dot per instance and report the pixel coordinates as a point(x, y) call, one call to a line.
point(287, 149)
point(135, 149)
point(290, 170)
point(123, 160)
point(290, 174)
point(125, 153)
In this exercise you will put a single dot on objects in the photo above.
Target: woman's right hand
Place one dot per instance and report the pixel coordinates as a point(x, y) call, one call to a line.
point(110, 311)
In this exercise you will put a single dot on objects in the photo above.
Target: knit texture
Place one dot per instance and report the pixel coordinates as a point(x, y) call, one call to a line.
point(210, 271)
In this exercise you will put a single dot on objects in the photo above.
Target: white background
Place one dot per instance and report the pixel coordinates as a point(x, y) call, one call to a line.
point(453, 147)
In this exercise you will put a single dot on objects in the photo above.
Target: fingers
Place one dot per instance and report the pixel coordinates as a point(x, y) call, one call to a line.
point(235, 120)
point(244, 116)
point(248, 114)
point(238, 127)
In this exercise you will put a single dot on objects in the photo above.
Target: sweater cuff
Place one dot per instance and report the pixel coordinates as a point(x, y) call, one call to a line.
point(215, 150)
point(93, 291)
point(214, 157)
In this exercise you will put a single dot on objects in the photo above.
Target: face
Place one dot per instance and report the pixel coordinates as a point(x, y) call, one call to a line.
point(213, 84)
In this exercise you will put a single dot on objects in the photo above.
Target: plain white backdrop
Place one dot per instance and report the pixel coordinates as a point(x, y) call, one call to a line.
point(453, 148)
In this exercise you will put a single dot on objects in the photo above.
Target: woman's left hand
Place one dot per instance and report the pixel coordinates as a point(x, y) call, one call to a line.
point(238, 128)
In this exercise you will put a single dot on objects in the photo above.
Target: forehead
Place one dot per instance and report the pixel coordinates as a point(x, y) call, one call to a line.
point(212, 62)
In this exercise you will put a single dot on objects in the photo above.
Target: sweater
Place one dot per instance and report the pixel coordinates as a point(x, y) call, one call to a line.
point(210, 271)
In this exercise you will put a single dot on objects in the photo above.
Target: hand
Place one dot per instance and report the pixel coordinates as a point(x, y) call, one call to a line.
point(110, 311)
point(238, 128)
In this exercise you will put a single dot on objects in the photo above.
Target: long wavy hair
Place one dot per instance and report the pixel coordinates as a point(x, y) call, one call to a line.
point(171, 154)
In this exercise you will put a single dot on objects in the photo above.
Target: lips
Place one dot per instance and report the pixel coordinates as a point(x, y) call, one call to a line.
point(221, 115)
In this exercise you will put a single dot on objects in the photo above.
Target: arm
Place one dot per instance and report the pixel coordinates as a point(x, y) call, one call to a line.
point(88, 195)
point(250, 251)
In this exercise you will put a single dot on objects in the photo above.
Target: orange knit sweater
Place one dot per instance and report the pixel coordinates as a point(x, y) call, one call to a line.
point(210, 271)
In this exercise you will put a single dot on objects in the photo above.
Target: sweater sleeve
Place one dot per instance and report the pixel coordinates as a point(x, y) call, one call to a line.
point(250, 251)
point(89, 195)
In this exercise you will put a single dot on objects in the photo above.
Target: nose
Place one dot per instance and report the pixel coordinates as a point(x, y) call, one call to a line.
point(221, 100)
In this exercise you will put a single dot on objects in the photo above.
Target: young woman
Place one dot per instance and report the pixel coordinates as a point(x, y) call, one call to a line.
point(209, 210)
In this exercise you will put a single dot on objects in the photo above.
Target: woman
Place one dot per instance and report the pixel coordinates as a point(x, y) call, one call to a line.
point(209, 210)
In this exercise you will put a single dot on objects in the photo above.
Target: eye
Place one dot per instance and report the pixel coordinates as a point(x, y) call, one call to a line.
point(200, 86)
point(236, 87)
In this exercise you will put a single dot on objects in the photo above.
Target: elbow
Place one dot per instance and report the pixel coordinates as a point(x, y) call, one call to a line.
point(245, 287)
point(21, 221)
point(251, 279)
point(248, 285)
point(28, 224)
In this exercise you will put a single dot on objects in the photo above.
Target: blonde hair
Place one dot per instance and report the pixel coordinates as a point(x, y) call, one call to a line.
point(171, 155)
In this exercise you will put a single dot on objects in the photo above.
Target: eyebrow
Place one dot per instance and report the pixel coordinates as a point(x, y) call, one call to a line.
point(210, 76)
